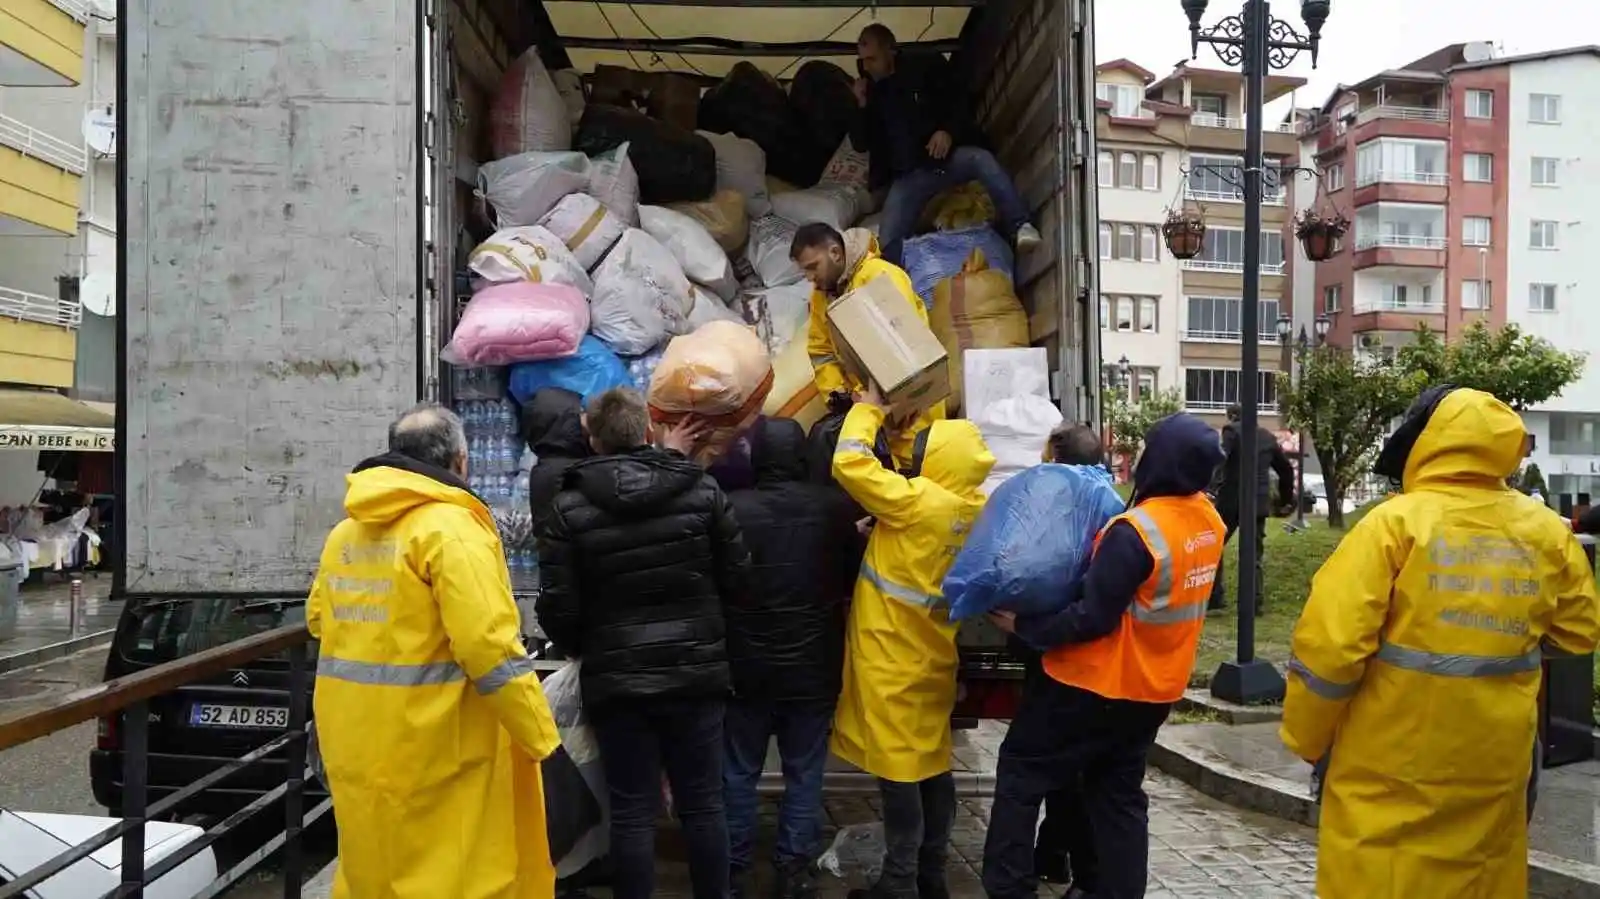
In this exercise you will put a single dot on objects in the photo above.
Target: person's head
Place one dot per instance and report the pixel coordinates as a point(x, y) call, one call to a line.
point(1074, 444)
point(778, 451)
point(1234, 412)
point(1455, 435)
point(552, 424)
point(875, 49)
point(953, 455)
point(819, 251)
point(431, 434)
point(1181, 453)
point(617, 421)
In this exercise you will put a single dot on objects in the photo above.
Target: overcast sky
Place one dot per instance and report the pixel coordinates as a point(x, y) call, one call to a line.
point(1362, 37)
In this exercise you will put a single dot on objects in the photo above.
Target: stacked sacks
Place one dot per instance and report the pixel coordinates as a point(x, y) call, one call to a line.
point(752, 104)
point(674, 164)
point(641, 295)
point(975, 309)
point(696, 251)
point(592, 370)
point(741, 167)
point(823, 97)
point(720, 373)
point(529, 253)
point(528, 112)
point(963, 206)
point(587, 227)
point(724, 217)
point(934, 257)
point(517, 322)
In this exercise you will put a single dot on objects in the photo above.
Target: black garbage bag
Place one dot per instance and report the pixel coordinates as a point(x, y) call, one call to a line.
point(674, 165)
point(750, 103)
point(822, 97)
point(571, 808)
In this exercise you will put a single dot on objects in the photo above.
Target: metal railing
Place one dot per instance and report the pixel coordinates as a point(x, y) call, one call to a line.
point(22, 306)
point(1397, 177)
point(31, 142)
point(1211, 265)
point(129, 698)
point(1403, 241)
point(1270, 197)
point(77, 9)
point(1404, 113)
point(1210, 120)
point(1222, 405)
point(1269, 331)
point(1397, 306)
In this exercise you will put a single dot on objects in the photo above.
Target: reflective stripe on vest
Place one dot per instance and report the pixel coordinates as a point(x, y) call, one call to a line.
point(1161, 610)
point(907, 595)
point(427, 674)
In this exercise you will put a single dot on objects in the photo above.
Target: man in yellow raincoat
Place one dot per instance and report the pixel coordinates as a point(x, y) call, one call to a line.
point(837, 264)
point(893, 719)
point(429, 713)
point(1415, 668)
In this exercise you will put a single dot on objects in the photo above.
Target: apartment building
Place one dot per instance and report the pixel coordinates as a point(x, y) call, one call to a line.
point(1165, 142)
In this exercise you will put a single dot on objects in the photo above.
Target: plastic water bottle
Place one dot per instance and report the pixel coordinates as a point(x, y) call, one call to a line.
point(508, 417)
point(475, 484)
point(508, 454)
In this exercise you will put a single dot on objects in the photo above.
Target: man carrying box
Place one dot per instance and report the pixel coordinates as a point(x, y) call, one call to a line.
point(837, 264)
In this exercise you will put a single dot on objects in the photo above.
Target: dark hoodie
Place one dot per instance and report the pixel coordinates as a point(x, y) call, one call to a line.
point(787, 643)
point(638, 559)
point(552, 425)
point(1180, 454)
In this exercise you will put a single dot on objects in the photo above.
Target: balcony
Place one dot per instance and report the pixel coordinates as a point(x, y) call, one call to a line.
point(1393, 176)
point(1270, 197)
point(1399, 241)
point(38, 339)
point(35, 144)
point(1404, 234)
point(41, 42)
point(1224, 265)
point(1402, 113)
point(39, 181)
point(1410, 307)
point(1211, 120)
point(22, 306)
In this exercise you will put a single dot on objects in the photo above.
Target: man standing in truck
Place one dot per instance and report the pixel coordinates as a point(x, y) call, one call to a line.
point(837, 264)
point(915, 125)
point(420, 650)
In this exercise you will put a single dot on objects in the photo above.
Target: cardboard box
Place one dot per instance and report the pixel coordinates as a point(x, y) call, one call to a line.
point(878, 334)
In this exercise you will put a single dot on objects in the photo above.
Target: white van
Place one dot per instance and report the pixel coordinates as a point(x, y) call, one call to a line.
point(29, 839)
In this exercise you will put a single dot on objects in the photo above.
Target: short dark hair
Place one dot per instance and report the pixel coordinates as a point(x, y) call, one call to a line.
point(428, 433)
point(619, 420)
point(1075, 444)
point(878, 33)
point(814, 236)
point(1234, 411)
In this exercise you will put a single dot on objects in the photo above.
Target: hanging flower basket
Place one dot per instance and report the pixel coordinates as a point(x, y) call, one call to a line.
point(1319, 234)
point(1185, 233)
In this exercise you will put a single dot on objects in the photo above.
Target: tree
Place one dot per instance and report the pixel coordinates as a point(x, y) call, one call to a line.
point(1345, 407)
point(1521, 369)
point(1531, 480)
point(1130, 421)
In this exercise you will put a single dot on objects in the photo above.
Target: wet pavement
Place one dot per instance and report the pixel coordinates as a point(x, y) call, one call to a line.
point(44, 618)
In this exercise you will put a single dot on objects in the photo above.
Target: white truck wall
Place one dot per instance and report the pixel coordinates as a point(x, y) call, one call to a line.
point(271, 264)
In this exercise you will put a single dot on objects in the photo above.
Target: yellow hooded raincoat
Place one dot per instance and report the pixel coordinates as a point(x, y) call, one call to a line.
point(863, 262)
point(429, 714)
point(893, 719)
point(1416, 662)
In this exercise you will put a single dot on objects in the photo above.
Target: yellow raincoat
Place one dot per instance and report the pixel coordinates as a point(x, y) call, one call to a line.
point(429, 714)
point(893, 719)
point(863, 262)
point(1416, 662)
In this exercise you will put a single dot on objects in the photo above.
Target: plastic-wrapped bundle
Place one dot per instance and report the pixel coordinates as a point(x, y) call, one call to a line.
point(975, 309)
point(577, 804)
point(934, 257)
point(642, 368)
point(518, 322)
point(1032, 542)
point(593, 369)
point(529, 253)
point(752, 104)
point(721, 373)
point(528, 112)
point(821, 94)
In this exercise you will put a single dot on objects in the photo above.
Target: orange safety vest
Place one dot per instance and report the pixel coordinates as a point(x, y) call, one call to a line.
point(1150, 655)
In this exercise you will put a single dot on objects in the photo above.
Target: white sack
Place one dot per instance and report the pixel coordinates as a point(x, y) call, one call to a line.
point(697, 252)
point(838, 205)
point(524, 187)
point(741, 166)
point(641, 297)
point(778, 313)
point(527, 112)
point(529, 254)
point(613, 181)
point(1008, 397)
point(587, 227)
point(873, 223)
point(569, 84)
point(707, 308)
point(766, 252)
point(848, 166)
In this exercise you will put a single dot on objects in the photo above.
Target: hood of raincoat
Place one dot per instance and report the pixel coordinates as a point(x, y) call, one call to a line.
point(1181, 453)
point(635, 483)
point(1469, 438)
point(954, 456)
point(552, 424)
point(383, 488)
point(860, 245)
point(778, 451)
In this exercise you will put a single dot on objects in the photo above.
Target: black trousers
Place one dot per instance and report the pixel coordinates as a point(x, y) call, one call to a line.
point(1219, 589)
point(1064, 736)
point(1065, 830)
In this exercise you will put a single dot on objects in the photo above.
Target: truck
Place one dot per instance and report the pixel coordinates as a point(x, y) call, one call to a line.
point(296, 182)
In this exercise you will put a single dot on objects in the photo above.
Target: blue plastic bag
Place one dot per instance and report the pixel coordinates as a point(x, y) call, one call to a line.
point(1032, 541)
point(592, 370)
point(931, 258)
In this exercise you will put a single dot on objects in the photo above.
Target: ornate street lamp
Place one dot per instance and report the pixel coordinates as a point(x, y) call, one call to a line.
point(1256, 42)
point(1124, 370)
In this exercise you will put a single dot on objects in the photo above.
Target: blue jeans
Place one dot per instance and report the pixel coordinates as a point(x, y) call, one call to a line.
point(910, 194)
point(802, 732)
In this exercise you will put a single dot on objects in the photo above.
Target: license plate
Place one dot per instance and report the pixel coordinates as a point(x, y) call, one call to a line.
point(206, 715)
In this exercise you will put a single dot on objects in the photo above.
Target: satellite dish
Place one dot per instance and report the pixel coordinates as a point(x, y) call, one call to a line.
point(100, 131)
point(98, 293)
point(1478, 51)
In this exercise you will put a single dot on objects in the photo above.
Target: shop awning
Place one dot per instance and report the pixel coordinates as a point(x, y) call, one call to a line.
point(42, 420)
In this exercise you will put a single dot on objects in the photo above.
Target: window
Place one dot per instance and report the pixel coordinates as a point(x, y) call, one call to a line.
point(1149, 243)
point(1546, 171)
point(1334, 177)
point(1106, 166)
point(1218, 318)
point(1224, 251)
point(1127, 169)
point(1144, 380)
point(1476, 294)
point(1149, 309)
point(1477, 167)
point(1105, 241)
point(1127, 100)
point(1474, 231)
point(1406, 296)
point(1214, 389)
point(1541, 298)
point(1105, 313)
point(1141, 380)
point(1330, 298)
point(1405, 161)
point(1214, 177)
point(1127, 247)
point(1544, 109)
point(1125, 313)
point(1480, 104)
point(1150, 176)
point(1213, 105)
point(1131, 314)
point(1130, 242)
point(1342, 117)
point(1542, 235)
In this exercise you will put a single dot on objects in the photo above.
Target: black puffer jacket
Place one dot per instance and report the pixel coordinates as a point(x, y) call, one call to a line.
point(638, 559)
point(787, 642)
point(552, 425)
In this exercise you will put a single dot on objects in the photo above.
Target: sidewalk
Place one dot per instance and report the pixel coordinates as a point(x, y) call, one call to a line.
point(42, 626)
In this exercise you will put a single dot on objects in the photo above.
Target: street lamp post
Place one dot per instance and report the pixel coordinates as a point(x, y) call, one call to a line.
point(1255, 41)
point(1302, 345)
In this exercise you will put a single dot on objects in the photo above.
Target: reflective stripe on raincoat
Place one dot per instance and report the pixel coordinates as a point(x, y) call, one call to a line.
point(863, 262)
point(1416, 662)
point(893, 719)
point(429, 714)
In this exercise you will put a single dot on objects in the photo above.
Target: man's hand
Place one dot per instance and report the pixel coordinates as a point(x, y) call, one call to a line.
point(864, 526)
point(1005, 621)
point(859, 88)
point(870, 395)
point(685, 436)
point(939, 145)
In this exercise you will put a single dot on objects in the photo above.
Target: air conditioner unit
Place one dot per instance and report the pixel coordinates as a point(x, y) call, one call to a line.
point(1371, 341)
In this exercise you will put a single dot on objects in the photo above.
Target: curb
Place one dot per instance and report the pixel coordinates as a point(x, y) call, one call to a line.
point(320, 886)
point(1548, 875)
point(1199, 699)
point(39, 655)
